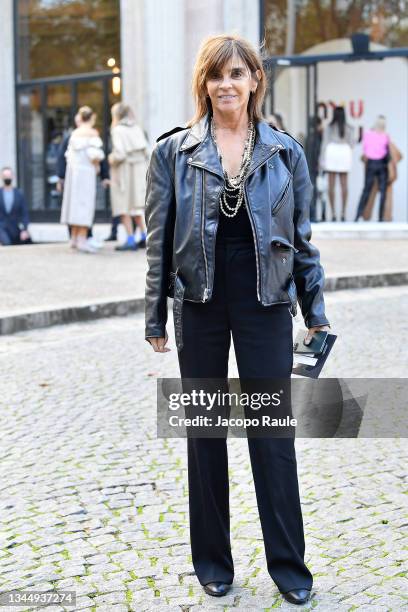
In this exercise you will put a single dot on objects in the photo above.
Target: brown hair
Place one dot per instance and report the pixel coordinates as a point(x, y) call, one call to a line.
point(86, 113)
point(214, 53)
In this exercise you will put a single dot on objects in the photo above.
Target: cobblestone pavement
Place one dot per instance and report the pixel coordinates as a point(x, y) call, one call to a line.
point(92, 501)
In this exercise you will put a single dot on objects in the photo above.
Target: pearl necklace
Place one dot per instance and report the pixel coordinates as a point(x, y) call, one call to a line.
point(234, 186)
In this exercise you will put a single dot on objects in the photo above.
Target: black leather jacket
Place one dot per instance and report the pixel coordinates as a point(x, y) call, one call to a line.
point(184, 181)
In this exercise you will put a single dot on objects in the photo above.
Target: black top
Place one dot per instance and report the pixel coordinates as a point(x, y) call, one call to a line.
point(235, 227)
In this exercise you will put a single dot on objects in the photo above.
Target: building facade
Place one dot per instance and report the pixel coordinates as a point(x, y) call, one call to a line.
point(61, 54)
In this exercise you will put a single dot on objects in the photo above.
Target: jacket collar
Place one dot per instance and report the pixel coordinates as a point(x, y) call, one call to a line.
point(205, 152)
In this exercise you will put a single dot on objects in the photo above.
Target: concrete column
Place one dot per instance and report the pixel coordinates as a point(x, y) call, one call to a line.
point(133, 56)
point(242, 17)
point(207, 17)
point(202, 19)
point(164, 60)
point(7, 102)
point(160, 41)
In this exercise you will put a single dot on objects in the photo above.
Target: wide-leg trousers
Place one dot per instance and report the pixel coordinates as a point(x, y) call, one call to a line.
point(262, 339)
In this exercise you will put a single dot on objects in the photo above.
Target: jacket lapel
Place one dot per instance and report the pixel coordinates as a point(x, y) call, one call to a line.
point(205, 155)
point(266, 145)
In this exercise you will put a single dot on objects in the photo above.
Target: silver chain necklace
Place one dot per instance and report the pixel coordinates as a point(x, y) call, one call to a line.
point(234, 186)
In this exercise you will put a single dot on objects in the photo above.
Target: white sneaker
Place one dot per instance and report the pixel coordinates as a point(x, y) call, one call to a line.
point(94, 243)
point(85, 247)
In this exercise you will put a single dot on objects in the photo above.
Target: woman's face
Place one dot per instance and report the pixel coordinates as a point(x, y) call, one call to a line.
point(230, 87)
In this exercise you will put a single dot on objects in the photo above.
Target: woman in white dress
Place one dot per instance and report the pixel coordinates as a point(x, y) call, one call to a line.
point(84, 154)
point(336, 157)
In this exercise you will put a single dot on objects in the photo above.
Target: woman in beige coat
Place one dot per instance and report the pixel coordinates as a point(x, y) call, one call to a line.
point(128, 162)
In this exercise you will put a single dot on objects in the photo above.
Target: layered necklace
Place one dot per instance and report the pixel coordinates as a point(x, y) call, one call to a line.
point(234, 185)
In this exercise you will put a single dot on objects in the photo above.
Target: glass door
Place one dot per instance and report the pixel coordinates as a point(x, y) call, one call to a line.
point(58, 124)
point(45, 116)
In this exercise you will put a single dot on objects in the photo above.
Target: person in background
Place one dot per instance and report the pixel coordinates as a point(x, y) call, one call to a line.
point(336, 157)
point(376, 143)
point(84, 154)
point(113, 236)
point(14, 218)
point(313, 146)
point(61, 170)
point(128, 161)
point(395, 158)
point(276, 121)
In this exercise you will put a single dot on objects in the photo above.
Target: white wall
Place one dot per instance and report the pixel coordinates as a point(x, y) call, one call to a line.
point(7, 111)
point(382, 86)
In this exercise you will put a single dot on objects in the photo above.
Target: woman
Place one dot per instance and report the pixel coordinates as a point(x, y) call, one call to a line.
point(336, 157)
point(83, 155)
point(395, 158)
point(376, 146)
point(226, 199)
point(128, 162)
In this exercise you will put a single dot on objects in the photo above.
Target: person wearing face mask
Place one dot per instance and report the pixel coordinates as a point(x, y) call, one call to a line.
point(14, 218)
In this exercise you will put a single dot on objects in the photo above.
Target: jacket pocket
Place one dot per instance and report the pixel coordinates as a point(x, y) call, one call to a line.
point(283, 243)
point(283, 199)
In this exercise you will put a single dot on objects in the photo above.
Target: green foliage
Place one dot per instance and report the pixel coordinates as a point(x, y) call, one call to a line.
point(67, 36)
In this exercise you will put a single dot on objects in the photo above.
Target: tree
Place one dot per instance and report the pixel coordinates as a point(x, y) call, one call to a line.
point(321, 20)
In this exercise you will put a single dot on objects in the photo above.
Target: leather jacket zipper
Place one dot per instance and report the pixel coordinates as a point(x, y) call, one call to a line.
point(283, 199)
point(258, 283)
point(206, 290)
point(258, 275)
point(258, 279)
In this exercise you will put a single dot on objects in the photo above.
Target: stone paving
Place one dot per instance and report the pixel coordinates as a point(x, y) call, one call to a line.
point(92, 501)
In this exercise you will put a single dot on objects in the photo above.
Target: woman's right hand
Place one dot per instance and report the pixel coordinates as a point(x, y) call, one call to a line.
point(159, 344)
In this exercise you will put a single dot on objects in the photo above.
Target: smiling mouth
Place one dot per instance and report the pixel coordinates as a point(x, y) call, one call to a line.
point(227, 97)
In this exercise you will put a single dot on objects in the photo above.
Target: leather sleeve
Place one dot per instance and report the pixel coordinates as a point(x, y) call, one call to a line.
point(160, 215)
point(307, 272)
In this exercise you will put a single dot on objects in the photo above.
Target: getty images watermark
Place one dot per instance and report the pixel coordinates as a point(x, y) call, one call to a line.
point(224, 399)
point(295, 407)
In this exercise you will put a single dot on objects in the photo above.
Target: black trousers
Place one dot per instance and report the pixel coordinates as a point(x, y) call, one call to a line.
point(262, 339)
point(376, 168)
point(8, 238)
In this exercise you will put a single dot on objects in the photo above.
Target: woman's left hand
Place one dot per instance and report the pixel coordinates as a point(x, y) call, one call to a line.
point(312, 330)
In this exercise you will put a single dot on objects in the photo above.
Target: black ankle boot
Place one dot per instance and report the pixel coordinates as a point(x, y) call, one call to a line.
point(297, 596)
point(216, 589)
